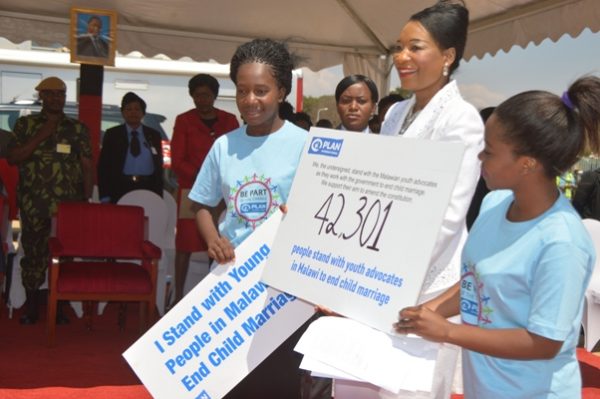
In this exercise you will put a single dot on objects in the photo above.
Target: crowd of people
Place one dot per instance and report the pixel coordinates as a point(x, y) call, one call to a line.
point(527, 251)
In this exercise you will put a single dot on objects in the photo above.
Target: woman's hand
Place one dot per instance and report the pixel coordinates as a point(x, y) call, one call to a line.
point(423, 322)
point(325, 311)
point(221, 250)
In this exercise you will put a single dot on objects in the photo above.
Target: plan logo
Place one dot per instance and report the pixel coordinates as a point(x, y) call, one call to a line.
point(325, 146)
point(203, 395)
point(253, 207)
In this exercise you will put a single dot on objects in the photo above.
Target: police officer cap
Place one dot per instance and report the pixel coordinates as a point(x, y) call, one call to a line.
point(51, 83)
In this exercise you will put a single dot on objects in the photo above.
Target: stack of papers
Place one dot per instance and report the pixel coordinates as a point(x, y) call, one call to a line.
point(342, 348)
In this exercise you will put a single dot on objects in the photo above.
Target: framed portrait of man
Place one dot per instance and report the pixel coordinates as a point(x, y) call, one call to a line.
point(93, 36)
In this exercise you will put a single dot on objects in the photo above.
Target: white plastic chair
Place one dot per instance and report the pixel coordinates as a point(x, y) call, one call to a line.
point(199, 268)
point(171, 219)
point(591, 306)
point(169, 249)
point(95, 194)
point(155, 209)
point(16, 295)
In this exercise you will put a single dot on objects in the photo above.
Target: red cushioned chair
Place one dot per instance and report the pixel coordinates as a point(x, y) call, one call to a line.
point(83, 266)
point(9, 177)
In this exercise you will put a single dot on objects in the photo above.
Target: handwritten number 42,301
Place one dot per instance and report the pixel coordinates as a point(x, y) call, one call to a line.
point(367, 226)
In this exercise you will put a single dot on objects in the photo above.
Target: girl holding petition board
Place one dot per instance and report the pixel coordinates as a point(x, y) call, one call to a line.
point(251, 170)
point(528, 259)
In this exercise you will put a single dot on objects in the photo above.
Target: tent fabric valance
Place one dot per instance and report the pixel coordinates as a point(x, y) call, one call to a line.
point(322, 32)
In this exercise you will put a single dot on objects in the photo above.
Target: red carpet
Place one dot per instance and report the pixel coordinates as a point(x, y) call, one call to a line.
point(590, 369)
point(88, 364)
point(104, 392)
point(83, 364)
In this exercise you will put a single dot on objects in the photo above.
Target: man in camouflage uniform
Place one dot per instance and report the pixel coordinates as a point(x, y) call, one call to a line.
point(54, 158)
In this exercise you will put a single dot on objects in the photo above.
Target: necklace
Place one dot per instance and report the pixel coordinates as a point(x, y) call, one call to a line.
point(412, 115)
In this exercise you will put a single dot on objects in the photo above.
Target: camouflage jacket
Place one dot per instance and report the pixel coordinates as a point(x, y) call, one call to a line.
point(53, 172)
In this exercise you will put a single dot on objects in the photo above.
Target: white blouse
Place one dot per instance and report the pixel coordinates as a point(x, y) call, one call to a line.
point(447, 117)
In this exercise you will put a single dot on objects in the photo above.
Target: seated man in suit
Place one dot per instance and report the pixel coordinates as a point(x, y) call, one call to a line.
point(131, 155)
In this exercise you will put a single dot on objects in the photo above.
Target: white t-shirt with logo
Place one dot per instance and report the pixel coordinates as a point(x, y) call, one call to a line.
point(252, 174)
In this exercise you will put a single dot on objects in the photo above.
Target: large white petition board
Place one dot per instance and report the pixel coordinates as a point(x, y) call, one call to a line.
point(221, 330)
point(363, 215)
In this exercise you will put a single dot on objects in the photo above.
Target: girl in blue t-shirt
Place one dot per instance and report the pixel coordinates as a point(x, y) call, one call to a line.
point(248, 173)
point(528, 259)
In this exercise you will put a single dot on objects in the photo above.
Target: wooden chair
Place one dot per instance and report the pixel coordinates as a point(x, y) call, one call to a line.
point(83, 266)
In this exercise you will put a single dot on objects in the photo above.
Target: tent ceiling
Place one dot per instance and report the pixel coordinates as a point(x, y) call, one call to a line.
point(322, 32)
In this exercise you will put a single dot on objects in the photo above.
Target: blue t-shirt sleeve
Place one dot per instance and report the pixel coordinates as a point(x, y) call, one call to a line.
point(207, 187)
point(558, 285)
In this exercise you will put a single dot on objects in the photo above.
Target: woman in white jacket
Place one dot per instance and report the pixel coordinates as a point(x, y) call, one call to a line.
point(427, 52)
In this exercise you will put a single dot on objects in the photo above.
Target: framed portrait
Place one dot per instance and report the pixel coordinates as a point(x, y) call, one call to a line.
point(93, 36)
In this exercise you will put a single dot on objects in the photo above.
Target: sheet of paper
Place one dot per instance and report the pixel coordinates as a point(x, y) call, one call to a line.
point(224, 328)
point(392, 362)
point(320, 369)
point(363, 215)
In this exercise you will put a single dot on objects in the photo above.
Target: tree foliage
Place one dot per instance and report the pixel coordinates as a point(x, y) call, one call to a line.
point(312, 105)
point(403, 92)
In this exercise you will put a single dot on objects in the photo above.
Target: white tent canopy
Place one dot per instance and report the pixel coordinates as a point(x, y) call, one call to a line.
point(355, 33)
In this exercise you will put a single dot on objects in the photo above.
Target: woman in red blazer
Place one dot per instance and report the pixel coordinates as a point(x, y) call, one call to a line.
point(194, 133)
